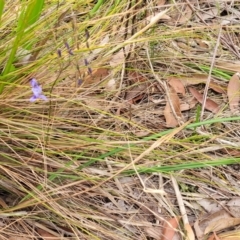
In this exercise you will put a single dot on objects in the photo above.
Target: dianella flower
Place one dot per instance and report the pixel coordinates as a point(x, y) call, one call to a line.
point(37, 91)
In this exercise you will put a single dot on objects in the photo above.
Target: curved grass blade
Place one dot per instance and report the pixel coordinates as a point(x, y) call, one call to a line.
point(30, 13)
point(2, 3)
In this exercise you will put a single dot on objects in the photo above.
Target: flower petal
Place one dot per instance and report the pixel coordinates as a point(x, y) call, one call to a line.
point(37, 90)
point(43, 97)
point(33, 82)
point(33, 98)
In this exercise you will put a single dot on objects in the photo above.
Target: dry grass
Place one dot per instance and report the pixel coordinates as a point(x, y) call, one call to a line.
point(96, 161)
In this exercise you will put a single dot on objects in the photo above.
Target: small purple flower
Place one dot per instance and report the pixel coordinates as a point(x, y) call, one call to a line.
point(68, 48)
point(86, 62)
point(89, 71)
point(87, 35)
point(37, 91)
point(59, 52)
point(80, 82)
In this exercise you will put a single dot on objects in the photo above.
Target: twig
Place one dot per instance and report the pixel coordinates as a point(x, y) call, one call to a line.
point(210, 73)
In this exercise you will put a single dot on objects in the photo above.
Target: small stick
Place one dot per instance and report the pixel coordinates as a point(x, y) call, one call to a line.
point(210, 74)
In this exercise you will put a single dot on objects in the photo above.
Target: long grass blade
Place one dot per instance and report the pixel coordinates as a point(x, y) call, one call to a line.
point(2, 3)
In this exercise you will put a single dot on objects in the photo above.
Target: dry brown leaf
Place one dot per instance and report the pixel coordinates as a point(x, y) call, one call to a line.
point(119, 57)
point(231, 152)
point(209, 14)
point(220, 224)
point(96, 76)
point(136, 91)
point(160, 3)
point(169, 231)
point(189, 104)
point(212, 237)
point(171, 121)
point(210, 104)
point(177, 85)
point(135, 77)
point(46, 235)
point(234, 207)
point(217, 88)
point(185, 15)
point(198, 230)
point(198, 78)
point(233, 92)
point(209, 218)
point(210, 205)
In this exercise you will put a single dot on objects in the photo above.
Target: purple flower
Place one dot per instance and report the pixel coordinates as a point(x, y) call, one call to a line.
point(68, 48)
point(37, 91)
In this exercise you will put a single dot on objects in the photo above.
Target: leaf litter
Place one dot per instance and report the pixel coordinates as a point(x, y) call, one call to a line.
point(233, 92)
point(120, 102)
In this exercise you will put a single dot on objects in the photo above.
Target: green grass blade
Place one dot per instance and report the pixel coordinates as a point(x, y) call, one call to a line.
point(155, 136)
point(2, 3)
point(96, 7)
point(191, 165)
point(34, 11)
point(30, 14)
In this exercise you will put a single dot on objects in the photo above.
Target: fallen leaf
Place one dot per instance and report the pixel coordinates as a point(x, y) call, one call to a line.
point(198, 230)
point(96, 76)
point(212, 13)
point(171, 120)
point(220, 224)
point(196, 79)
point(210, 205)
point(177, 85)
point(231, 152)
point(46, 235)
point(233, 92)
point(209, 218)
point(210, 104)
point(160, 3)
point(169, 228)
point(184, 16)
point(234, 207)
point(119, 57)
point(191, 103)
point(212, 237)
point(217, 88)
point(180, 16)
point(136, 91)
point(135, 77)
